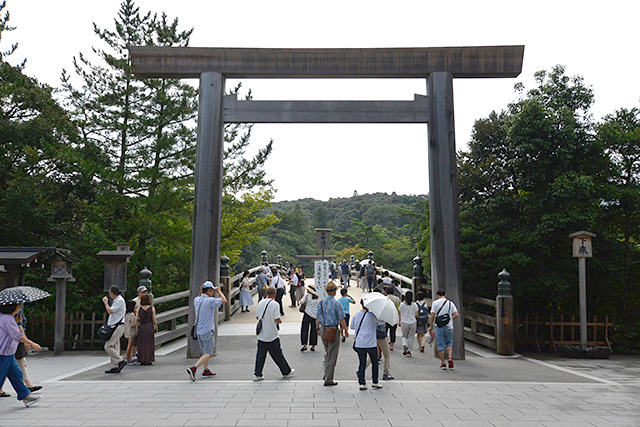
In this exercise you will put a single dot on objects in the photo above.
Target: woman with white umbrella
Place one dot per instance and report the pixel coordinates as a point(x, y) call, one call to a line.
point(364, 323)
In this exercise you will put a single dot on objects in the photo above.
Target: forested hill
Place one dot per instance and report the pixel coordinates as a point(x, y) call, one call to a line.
point(388, 224)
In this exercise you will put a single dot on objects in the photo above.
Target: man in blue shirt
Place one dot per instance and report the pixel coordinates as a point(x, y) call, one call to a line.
point(262, 281)
point(205, 305)
point(330, 316)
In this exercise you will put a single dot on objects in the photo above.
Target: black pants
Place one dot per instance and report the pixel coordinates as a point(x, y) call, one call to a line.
point(275, 351)
point(392, 333)
point(309, 331)
point(362, 356)
point(279, 295)
point(292, 294)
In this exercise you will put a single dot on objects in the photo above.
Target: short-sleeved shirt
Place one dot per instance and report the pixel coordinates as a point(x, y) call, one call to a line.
point(366, 335)
point(370, 270)
point(119, 308)
point(262, 279)
point(345, 301)
point(9, 335)
point(277, 282)
point(206, 313)
point(408, 313)
point(387, 281)
point(311, 307)
point(345, 269)
point(330, 312)
point(271, 311)
point(294, 279)
point(450, 308)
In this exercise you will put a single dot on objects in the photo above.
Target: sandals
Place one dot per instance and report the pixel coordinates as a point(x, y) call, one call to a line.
point(304, 348)
point(313, 348)
point(5, 394)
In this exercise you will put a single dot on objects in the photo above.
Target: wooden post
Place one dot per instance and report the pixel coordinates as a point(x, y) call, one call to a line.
point(505, 344)
point(446, 270)
point(207, 212)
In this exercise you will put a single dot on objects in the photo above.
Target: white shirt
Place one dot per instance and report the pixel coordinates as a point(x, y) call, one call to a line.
point(312, 305)
point(387, 280)
point(269, 331)
point(119, 307)
point(294, 279)
point(449, 308)
point(277, 282)
point(366, 335)
point(408, 313)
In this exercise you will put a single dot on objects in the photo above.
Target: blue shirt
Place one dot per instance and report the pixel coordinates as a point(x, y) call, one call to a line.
point(330, 312)
point(262, 279)
point(345, 301)
point(205, 314)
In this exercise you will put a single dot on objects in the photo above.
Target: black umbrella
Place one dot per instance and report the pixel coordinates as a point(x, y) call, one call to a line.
point(20, 294)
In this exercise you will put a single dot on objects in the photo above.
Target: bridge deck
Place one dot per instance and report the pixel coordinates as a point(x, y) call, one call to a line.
point(484, 390)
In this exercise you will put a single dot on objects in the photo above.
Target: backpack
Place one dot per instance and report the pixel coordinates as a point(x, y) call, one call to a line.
point(423, 313)
point(370, 271)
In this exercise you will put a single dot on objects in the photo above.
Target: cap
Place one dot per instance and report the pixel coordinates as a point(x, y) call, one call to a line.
point(207, 285)
point(142, 289)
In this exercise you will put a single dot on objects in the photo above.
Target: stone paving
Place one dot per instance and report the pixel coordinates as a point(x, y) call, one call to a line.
point(483, 390)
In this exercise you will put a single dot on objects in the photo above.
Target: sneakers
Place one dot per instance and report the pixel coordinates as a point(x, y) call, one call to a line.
point(290, 374)
point(192, 372)
point(376, 385)
point(112, 371)
point(450, 363)
point(363, 387)
point(386, 377)
point(208, 374)
point(405, 351)
point(258, 378)
point(30, 400)
point(408, 354)
point(344, 339)
point(121, 365)
point(443, 367)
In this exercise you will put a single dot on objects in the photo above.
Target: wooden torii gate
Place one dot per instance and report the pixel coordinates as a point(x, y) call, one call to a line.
point(437, 65)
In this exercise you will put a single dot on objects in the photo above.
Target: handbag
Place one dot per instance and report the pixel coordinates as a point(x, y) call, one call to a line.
point(442, 320)
point(194, 328)
point(21, 351)
point(303, 307)
point(259, 324)
point(105, 331)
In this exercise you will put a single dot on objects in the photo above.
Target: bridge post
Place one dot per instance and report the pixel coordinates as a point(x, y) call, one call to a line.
point(504, 316)
point(207, 209)
point(225, 280)
point(418, 274)
point(446, 270)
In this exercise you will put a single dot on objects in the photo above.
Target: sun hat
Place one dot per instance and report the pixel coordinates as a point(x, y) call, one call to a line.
point(331, 287)
point(312, 289)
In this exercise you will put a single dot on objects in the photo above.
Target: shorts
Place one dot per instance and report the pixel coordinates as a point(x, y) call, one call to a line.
point(422, 328)
point(444, 337)
point(206, 342)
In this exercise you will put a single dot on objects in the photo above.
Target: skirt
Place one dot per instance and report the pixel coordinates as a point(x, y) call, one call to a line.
point(246, 298)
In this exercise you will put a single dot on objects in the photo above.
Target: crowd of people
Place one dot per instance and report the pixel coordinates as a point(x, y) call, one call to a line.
point(328, 321)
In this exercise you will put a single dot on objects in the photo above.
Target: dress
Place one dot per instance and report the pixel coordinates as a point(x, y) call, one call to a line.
point(146, 338)
point(245, 294)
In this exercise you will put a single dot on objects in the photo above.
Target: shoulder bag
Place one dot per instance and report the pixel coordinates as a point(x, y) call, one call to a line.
point(329, 332)
point(105, 331)
point(259, 325)
point(194, 328)
point(443, 319)
point(358, 330)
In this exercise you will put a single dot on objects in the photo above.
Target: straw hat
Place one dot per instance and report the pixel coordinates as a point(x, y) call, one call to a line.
point(312, 290)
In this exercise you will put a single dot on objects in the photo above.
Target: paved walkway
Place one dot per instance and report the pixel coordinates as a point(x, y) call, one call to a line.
point(483, 390)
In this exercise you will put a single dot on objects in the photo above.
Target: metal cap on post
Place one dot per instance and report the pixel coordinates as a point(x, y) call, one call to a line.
point(145, 280)
point(505, 343)
point(263, 257)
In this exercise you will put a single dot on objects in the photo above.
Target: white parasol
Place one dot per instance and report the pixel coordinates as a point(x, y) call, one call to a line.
point(382, 307)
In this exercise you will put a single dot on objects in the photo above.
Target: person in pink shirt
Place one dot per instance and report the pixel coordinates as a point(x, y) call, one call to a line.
point(10, 336)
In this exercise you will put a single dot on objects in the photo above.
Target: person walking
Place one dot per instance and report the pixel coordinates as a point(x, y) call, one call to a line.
point(246, 299)
point(346, 273)
point(308, 330)
point(330, 318)
point(364, 323)
point(262, 282)
point(147, 327)
point(370, 274)
point(443, 313)
point(388, 291)
point(345, 300)
point(293, 285)
point(21, 353)
point(408, 322)
point(131, 332)
point(267, 314)
point(280, 288)
point(423, 320)
point(300, 290)
point(10, 336)
point(116, 311)
point(205, 305)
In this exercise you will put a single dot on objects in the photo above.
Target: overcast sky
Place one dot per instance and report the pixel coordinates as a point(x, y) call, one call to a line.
point(598, 40)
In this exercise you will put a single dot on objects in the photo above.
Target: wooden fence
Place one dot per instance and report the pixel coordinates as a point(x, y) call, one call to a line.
point(536, 332)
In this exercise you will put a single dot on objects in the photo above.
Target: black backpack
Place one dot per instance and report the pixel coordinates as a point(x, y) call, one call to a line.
point(423, 313)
